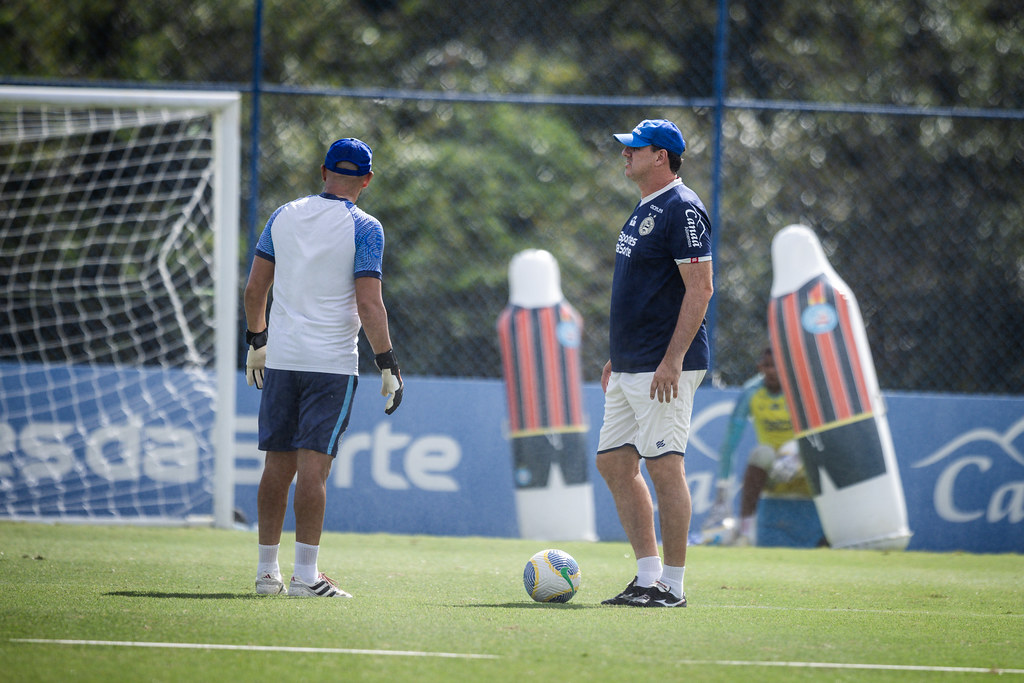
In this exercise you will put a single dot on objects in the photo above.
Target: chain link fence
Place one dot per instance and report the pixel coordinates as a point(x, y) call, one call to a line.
point(894, 130)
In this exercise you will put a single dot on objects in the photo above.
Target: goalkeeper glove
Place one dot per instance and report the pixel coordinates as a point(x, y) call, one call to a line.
point(391, 379)
point(785, 467)
point(256, 359)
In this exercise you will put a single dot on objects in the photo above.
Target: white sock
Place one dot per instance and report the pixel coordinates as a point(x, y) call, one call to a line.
point(648, 569)
point(305, 562)
point(673, 578)
point(747, 525)
point(268, 562)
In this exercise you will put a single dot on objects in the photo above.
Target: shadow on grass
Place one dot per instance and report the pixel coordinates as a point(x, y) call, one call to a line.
point(532, 605)
point(186, 596)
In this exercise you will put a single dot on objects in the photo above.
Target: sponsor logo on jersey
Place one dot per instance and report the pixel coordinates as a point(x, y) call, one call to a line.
point(696, 229)
point(625, 244)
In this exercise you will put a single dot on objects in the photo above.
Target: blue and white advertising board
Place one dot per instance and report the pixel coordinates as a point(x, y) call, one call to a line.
point(438, 465)
point(442, 463)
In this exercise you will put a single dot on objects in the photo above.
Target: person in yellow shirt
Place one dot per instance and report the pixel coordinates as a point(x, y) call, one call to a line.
point(774, 465)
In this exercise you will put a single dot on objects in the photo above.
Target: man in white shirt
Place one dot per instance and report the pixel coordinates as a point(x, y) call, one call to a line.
point(323, 257)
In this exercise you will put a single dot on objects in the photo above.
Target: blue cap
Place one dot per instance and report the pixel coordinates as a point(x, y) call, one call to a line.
point(351, 150)
point(660, 132)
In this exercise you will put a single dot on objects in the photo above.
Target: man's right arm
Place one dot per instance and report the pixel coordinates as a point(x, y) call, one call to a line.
point(257, 289)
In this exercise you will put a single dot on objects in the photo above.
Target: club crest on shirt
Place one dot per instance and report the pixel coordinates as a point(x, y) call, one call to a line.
point(646, 225)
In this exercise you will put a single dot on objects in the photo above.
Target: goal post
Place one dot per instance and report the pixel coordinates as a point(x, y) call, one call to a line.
point(119, 305)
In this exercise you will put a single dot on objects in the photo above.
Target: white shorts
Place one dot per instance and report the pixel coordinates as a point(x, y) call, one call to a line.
point(633, 418)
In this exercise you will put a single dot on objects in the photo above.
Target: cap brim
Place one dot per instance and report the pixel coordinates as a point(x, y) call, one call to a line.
point(630, 140)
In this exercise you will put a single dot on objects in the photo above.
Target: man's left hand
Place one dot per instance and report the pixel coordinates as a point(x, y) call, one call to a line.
point(391, 380)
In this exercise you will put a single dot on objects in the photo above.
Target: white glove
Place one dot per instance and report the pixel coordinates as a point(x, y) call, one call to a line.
point(391, 380)
point(256, 358)
point(785, 467)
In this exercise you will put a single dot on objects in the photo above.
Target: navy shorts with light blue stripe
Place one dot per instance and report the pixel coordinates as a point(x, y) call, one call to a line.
point(304, 410)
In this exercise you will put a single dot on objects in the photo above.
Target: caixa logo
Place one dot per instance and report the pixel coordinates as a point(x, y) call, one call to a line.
point(982, 477)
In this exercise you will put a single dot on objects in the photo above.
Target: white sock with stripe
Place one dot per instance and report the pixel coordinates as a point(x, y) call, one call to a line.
point(268, 563)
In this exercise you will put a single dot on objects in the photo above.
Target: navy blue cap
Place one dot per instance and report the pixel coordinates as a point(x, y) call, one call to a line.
point(353, 151)
point(659, 132)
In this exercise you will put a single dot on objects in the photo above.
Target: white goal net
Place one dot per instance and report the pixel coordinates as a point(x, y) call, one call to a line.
point(118, 311)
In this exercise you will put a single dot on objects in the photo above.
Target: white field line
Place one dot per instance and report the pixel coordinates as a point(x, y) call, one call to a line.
point(855, 610)
point(453, 655)
point(842, 665)
point(255, 648)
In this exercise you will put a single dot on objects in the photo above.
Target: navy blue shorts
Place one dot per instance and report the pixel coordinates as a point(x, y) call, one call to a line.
point(304, 410)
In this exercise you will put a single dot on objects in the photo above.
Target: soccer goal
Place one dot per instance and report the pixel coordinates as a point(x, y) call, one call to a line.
point(119, 305)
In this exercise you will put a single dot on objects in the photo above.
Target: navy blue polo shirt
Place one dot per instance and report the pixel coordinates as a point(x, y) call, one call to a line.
point(666, 229)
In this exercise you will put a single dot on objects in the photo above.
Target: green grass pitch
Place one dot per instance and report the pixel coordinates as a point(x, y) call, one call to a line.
point(113, 603)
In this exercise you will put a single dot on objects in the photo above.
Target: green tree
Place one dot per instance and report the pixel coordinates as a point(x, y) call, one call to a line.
point(831, 121)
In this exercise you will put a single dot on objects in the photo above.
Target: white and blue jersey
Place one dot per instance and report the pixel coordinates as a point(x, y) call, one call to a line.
point(667, 228)
point(319, 245)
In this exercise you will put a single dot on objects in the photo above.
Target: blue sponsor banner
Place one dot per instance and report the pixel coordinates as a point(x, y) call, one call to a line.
point(104, 443)
point(439, 465)
point(442, 464)
point(472, 488)
point(960, 461)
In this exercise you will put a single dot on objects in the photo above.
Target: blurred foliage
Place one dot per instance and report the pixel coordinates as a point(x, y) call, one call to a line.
point(491, 121)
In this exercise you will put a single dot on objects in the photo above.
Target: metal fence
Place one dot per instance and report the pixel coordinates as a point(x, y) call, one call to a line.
point(895, 132)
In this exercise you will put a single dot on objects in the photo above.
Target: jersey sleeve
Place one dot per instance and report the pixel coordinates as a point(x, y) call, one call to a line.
point(265, 244)
point(691, 240)
point(369, 239)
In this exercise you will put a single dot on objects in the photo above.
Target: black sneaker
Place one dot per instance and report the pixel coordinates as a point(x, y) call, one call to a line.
point(658, 595)
point(626, 596)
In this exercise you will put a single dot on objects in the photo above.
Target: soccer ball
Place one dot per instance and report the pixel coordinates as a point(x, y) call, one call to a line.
point(551, 576)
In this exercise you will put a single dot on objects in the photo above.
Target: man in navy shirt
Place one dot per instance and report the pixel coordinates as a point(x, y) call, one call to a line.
point(659, 354)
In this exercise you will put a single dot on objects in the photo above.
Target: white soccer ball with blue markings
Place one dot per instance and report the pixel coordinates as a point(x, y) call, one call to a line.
point(551, 576)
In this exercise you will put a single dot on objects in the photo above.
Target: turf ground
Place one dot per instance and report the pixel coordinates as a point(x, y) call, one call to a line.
point(108, 603)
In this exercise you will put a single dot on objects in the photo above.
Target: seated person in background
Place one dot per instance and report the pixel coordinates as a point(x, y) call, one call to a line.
point(774, 465)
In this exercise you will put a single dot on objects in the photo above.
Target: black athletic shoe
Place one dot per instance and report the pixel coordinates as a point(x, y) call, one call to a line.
point(626, 596)
point(658, 595)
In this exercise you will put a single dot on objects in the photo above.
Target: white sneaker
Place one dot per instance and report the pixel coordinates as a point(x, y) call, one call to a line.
point(323, 587)
point(268, 584)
